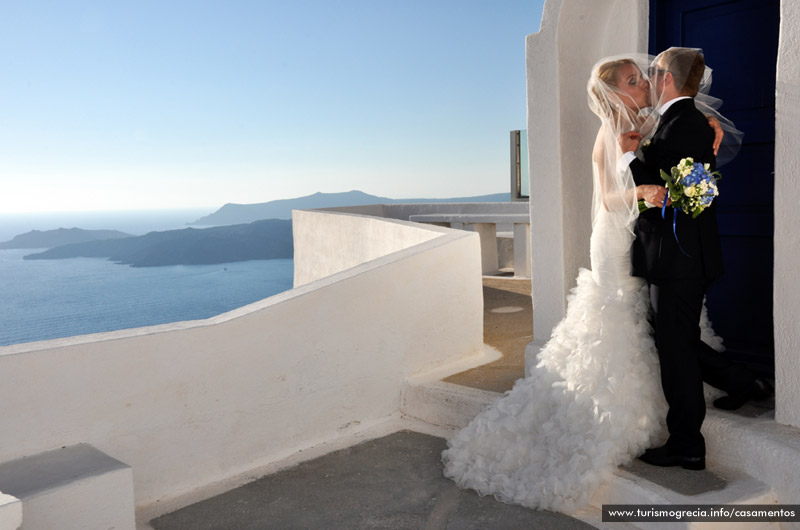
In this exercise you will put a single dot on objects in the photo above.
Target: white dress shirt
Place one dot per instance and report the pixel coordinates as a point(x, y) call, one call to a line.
point(628, 157)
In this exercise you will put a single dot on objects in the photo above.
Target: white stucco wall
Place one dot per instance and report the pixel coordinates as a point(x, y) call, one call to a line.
point(348, 240)
point(546, 195)
point(561, 130)
point(192, 404)
point(787, 219)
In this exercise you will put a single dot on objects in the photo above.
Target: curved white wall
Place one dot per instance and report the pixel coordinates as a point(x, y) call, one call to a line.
point(349, 240)
point(191, 404)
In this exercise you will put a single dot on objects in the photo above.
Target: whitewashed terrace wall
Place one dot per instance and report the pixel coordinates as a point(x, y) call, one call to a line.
point(328, 242)
point(192, 404)
point(364, 232)
point(574, 35)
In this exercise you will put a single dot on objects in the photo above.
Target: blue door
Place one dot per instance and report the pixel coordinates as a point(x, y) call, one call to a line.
point(739, 39)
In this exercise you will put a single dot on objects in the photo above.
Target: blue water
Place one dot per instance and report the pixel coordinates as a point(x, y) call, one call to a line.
point(47, 299)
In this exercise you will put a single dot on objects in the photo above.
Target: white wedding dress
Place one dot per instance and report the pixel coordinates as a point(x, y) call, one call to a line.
point(591, 403)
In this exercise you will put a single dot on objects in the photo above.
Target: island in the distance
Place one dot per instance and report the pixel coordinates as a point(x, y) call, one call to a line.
point(238, 232)
point(230, 214)
point(61, 236)
point(264, 239)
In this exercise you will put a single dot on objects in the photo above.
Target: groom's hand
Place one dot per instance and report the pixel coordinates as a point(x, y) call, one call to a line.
point(629, 141)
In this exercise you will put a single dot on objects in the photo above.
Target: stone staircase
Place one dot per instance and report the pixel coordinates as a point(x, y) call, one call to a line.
point(743, 452)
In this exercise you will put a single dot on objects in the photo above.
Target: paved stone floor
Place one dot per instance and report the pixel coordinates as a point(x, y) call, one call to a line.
point(394, 482)
point(507, 327)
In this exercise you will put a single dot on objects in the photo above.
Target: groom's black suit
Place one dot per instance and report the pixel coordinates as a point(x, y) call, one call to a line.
point(679, 280)
point(683, 132)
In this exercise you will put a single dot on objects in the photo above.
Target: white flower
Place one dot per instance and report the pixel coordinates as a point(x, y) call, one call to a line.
point(707, 166)
point(689, 191)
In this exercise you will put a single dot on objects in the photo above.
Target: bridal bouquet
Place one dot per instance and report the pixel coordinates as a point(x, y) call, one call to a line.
point(692, 186)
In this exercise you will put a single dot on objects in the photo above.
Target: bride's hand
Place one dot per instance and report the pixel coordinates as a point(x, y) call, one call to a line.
point(718, 132)
point(629, 141)
point(653, 194)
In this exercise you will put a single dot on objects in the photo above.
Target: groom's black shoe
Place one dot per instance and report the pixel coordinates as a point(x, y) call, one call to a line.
point(758, 390)
point(665, 457)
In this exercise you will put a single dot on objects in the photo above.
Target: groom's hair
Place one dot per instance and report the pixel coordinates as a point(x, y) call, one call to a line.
point(687, 67)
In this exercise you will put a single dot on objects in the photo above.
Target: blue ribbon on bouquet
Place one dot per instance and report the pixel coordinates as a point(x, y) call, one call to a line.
point(674, 222)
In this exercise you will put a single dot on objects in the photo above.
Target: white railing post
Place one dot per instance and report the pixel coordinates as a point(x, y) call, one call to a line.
point(522, 250)
point(488, 234)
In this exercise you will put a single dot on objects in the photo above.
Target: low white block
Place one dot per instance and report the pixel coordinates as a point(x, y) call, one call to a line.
point(74, 488)
point(10, 512)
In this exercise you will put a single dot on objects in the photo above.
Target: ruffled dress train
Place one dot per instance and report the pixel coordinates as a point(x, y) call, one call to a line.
point(592, 402)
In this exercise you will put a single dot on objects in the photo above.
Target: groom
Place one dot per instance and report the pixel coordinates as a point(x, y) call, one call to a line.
point(680, 261)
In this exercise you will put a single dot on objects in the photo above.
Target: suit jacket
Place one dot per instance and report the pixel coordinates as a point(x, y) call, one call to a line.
point(655, 254)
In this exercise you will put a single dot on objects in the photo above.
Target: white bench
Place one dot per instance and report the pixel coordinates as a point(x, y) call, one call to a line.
point(486, 226)
point(76, 487)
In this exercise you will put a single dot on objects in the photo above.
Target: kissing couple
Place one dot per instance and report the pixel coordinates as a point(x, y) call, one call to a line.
point(622, 373)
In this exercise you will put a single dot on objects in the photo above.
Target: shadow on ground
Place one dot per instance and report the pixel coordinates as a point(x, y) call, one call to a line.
point(394, 482)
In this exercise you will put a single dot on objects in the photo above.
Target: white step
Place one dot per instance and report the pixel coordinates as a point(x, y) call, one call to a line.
point(727, 487)
point(453, 406)
point(444, 404)
point(76, 487)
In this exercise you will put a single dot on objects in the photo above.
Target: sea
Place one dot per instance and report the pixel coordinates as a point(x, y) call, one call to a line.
point(48, 299)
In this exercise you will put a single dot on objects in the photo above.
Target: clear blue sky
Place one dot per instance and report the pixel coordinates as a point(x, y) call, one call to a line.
point(142, 104)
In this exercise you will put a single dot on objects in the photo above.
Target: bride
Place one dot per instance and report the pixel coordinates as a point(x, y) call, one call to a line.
point(594, 400)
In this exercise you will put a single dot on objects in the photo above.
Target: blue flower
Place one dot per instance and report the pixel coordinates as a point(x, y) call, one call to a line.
point(692, 178)
point(691, 186)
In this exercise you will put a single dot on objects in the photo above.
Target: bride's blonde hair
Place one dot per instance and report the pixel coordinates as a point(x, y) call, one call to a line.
point(608, 74)
point(612, 188)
